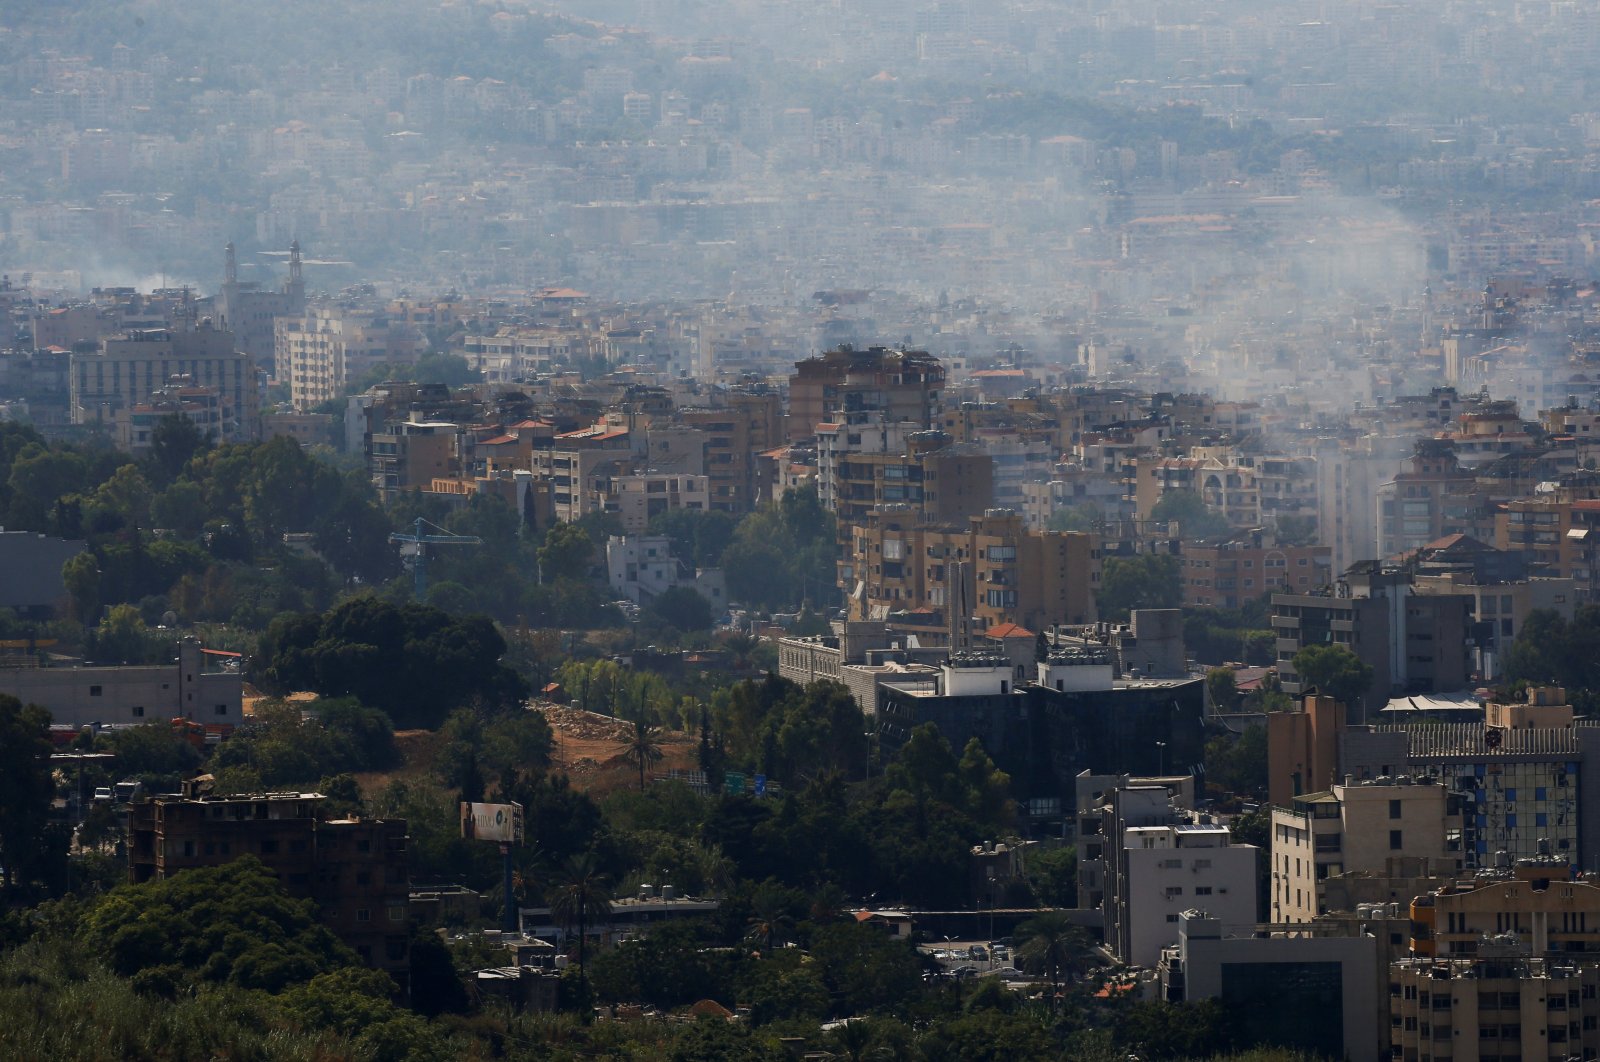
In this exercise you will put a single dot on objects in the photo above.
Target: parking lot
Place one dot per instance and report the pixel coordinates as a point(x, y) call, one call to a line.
point(975, 958)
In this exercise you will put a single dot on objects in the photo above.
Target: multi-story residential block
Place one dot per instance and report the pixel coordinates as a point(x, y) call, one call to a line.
point(1431, 497)
point(578, 464)
point(735, 433)
point(410, 455)
point(1414, 643)
point(1249, 566)
point(643, 567)
point(987, 572)
point(1160, 865)
point(906, 385)
point(127, 370)
point(319, 352)
point(355, 869)
point(633, 498)
point(1558, 533)
point(1358, 827)
point(1515, 788)
point(201, 406)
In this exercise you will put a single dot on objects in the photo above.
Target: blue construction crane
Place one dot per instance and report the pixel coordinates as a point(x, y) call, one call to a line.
point(419, 564)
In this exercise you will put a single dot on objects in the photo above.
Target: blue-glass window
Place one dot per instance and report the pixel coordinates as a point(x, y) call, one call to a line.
point(1539, 793)
point(1541, 819)
point(1511, 794)
point(1511, 821)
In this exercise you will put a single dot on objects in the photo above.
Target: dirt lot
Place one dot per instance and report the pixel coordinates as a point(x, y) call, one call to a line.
point(588, 747)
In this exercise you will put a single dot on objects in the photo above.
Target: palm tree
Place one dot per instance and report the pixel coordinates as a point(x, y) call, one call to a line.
point(1052, 943)
point(643, 748)
point(770, 922)
point(582, 891)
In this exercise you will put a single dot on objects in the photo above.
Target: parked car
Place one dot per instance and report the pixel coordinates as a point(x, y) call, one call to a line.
point(102, 795)
point(978, 952)
point(965, 971)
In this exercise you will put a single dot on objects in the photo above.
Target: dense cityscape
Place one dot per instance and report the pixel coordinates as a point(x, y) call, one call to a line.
point(651, 529)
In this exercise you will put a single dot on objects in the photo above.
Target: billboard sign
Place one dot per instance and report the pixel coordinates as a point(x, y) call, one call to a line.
point(492, 822)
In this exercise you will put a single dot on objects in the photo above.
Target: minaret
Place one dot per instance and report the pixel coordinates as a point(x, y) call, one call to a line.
point(296, 288)
point(230, 265)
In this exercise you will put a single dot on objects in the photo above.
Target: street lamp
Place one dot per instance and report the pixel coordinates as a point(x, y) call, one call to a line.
point(1161, 754)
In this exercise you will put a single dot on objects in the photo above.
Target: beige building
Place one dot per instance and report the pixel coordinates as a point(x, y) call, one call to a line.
point(200, 686)
point(128, 370)
point(1356, 827)
point(320, 352)
point(636, 497)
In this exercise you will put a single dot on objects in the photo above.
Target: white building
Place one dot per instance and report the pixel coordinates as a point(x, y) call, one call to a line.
point(1168, 869)
point(642, 567)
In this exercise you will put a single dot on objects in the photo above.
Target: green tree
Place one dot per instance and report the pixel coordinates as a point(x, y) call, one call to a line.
point(581, 893)
point(1239, 764)
point(174, 441)
point(683, 608)
point(26, 789)
point(1223, 688)
point(1335, 671)
point(1149, 580)
point(1196, 521)
point(643, 748)
point(565, 554)
point(81, 574)
point(1050, 943)
point(231, 924)
point(1053, 875)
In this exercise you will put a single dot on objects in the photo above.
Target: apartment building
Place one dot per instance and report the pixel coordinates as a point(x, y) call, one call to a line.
point(1430, 497)
point(355, 869)
point(1358, 827)
point(634, 498)
point(1249, 566)
point(989, 571)
point(579, 464)
point(129, 369)
point(1414, 643)
point(1514, 788)
point(907, 385)
point(1160, 870)
point(410, 455)
point(319, 352)
point(742, 426)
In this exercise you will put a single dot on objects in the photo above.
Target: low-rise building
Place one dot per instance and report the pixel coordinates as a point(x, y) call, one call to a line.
point(202, 686)
point(355, 869)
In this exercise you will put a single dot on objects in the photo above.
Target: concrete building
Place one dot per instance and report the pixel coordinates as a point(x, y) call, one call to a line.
point(355, 869)
point(320, 351)
point(1414, 643)
point(201, 686)
point(1514, 788)
point(249, 310)
point(1324, 987)
point(1366, 827)
point(1303, 748)
point(410, 455)
point(578, 464)
point(127, 370)
point(1430, 497)
point(1250, 566)
point(907, 385)
point(634, 498)
point(642, 568)
point(1165, 869)
point(30, 572)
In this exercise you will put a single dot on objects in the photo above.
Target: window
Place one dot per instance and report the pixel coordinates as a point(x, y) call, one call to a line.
point(138, 711)
point(1394, 809)
point(1395, 843)
point(397, 913)
point(94, 691)
point(222, 709)
point(363, 915)
point(1202, 890)
point(269, 847)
